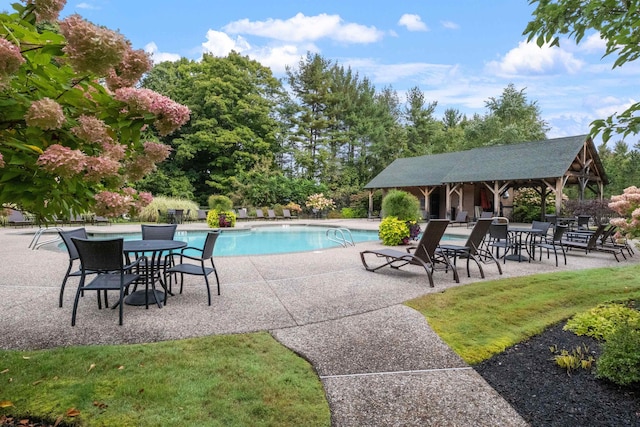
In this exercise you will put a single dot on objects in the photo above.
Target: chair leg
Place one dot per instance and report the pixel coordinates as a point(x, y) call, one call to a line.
point(64, 283)
point(121, 303)
point(206, 281)
point(75, 306)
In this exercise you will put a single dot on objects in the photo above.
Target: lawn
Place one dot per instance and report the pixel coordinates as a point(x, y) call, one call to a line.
point(251, 379)
point(228, 380)
point(484, 318)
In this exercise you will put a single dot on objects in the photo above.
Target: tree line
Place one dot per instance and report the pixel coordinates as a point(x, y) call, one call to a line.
point(323, 128)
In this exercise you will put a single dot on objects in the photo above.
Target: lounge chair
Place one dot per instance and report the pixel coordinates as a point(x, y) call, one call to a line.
point(461, 218)
point(271, 214)
point(593, 244)
point(259, 214)
point(97, 220)
point(242, 215)
point(18, 219)
point(286, 214)
point(608, 239)
point(424, 255)
point(202, 215)
point(473, 248)
point(483, 215)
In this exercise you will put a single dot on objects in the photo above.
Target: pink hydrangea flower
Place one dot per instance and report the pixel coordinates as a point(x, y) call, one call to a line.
point(133, 65)
point(45, 114)
point(170, 115)
point(111, 204)
point(99, 168)
point(155, 151)
point(62, 161)
point(46, 10)
point(10, 59)
point(92, 129)
point(1, 161)
point(138, 167)
point(91, 48)
point(114, 151)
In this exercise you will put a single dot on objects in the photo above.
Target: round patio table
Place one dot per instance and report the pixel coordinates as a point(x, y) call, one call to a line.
point(518, 232)
point(153, 250)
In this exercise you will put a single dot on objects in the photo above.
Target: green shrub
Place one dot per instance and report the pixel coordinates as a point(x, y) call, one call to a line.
point(402, 205)
point(150, 212)
point(602, 321)
point(620, 358)
point(221, 219)
point(220, 203)
point(353, 213)
point(393, 231)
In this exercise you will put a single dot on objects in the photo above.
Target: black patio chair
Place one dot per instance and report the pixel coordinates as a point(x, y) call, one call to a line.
point(66, 236)
point(554, 243)
point(159, 232)
point(105, 258)
point(196, 269)
point(473, 248)
point(424, 255)
point(499, 237)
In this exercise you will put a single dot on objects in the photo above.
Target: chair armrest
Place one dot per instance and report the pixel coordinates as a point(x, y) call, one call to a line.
point(135, 263)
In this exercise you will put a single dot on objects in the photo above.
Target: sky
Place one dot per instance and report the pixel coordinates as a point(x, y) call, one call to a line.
point(459, 53)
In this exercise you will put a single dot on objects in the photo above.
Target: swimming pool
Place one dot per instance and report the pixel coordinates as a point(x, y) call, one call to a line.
point(262, 240)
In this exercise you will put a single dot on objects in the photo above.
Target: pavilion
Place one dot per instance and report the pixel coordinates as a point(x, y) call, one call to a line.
point(480, 179)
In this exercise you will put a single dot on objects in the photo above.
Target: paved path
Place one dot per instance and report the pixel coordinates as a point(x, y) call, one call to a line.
point(379, 361)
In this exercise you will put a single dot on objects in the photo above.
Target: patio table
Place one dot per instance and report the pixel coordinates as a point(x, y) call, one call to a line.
point(153, 250)
point(518, 232)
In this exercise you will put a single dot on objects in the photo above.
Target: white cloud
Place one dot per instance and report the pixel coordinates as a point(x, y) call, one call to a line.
point(279, 57)
point(301, 28)
point(220, 44)
point(528, 59)
point(593, 44)
point(449, 25)
point(157, 56)
point(412, 22)
point(86, 6)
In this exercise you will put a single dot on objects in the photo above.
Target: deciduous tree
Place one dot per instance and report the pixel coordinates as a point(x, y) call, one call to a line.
point(615, 21)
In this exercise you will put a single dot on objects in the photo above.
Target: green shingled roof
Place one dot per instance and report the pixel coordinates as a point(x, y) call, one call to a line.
point(550, 158)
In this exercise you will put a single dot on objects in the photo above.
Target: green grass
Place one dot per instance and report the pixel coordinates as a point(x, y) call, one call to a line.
point(482, 319)
point(228, 380)
point(250, 379)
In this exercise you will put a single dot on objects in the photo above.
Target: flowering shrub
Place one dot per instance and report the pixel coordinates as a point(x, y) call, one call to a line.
point(221, 219)
point(319, 202)
point(627, 205)
point(112, 204)
point(393, 231)
point(61, 128)
point(293, 207)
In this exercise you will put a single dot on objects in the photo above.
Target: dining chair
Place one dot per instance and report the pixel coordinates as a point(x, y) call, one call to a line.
point(554, 243)
point(159, 232)
point(66, 236)
point(197, 266)
point(105, 259)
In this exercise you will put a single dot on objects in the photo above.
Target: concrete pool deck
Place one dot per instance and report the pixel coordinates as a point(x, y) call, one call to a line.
point(379, 361)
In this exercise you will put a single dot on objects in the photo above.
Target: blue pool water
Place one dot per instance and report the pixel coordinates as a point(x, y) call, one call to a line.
point(262, 240)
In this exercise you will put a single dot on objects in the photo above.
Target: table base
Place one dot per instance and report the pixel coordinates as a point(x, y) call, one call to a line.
point(138, 297)
point(516, 257)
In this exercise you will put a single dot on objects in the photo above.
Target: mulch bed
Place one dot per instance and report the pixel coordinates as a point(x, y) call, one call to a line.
point(544, 394)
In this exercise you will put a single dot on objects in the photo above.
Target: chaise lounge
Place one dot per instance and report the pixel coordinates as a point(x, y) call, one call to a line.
point(425, 254)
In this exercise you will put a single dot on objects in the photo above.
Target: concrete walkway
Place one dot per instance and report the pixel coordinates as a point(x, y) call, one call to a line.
point(379, 361)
